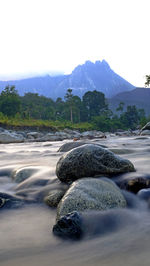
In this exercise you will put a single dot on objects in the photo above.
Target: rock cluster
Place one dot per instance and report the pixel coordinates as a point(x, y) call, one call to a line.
point(90, 178)
point(88, 164)
point(10, 136)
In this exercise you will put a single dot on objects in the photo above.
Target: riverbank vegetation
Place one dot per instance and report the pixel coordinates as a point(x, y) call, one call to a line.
point(89, 113)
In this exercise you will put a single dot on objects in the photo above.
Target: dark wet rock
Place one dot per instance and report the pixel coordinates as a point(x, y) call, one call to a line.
point(144, 194)
point(69, 226)
point(91, 194)
point(8, 201)
point(74, 144)
point(90, 160)
point(23, 173)
point(54, 197)
point(134, 184)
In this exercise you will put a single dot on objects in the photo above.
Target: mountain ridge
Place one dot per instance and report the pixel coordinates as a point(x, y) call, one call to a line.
point(138, 97)
point(88, 76)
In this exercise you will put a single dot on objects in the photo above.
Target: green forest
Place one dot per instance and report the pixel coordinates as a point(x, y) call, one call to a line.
point(90, 112)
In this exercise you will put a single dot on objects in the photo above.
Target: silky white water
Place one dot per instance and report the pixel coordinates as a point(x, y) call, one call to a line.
point(116, 237)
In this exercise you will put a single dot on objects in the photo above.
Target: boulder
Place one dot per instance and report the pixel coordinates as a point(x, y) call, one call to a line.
point(34, 135)
point(90, 160)
point(93, 134)
point(51, 137)
point(74, 144)
point(91, 194)
point(7, 137)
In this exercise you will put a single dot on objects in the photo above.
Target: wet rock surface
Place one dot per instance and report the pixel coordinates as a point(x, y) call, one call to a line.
point(71, 145)
point(90, 160)
point(91, 194)
point(54, 197)
point(8, 201)
point(134, 184)
point(69, 226)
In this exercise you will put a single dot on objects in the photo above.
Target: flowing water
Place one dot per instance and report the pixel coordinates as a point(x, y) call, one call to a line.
point(115, 237)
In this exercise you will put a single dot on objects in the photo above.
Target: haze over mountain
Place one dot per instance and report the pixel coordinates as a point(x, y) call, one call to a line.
point(138, 97)
point(89, 76)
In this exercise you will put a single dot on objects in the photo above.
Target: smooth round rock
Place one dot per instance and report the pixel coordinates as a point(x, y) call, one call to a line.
point(54, 197)
point(90, 160)
point(91, 194)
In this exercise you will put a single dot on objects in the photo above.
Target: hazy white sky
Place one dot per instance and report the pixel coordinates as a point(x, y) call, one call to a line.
point(38, 36)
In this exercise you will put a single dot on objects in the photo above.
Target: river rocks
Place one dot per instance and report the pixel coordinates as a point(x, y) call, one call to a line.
point(93, 134)
point(34, 135)
point(69, 226)
point(8, 137)
point(54, 197)
point(8, 201)
point(90, 160)
point(134, 184)
point(74, 144)
point(23, 173)
point(91, 194)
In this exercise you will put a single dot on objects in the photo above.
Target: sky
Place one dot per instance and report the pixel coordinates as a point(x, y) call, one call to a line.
point(38, 37)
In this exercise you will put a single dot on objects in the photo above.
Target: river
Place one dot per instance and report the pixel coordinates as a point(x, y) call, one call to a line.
point(26, 233)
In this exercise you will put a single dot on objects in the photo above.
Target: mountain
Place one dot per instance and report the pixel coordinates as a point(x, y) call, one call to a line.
point(140, 97)
point(89, 76)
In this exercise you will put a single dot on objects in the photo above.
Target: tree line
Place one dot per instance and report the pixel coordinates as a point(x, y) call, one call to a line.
point(92, 108)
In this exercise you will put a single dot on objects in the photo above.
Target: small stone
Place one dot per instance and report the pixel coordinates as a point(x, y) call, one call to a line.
point(69, 226)
point(54, 197)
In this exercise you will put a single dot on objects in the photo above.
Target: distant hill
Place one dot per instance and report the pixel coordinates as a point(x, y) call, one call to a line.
point(89, 76)
point(140, 97)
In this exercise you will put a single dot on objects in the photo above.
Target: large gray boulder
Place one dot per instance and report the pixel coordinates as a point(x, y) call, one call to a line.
point(8, 137)
point(90, 160)
point(91, 194)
